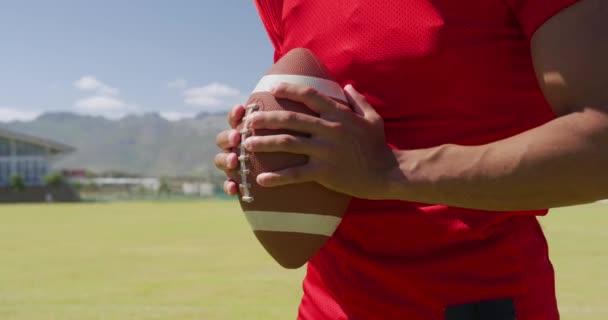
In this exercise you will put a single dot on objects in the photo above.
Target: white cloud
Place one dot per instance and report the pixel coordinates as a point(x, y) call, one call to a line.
point(176, 115)
point(100, 104)
point(103, 100)
point(105, 106)
point(8, 114)
point(213, 96)
point(90, 83)
point(178, 83)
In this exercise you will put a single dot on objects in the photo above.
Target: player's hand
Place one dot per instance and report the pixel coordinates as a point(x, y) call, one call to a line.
point(347, 150)
point(227, 161)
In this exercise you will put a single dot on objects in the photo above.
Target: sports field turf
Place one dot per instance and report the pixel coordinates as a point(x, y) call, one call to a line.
point(199, 260)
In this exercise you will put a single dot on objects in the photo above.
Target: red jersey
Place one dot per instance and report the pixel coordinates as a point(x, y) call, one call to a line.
point(438, 72)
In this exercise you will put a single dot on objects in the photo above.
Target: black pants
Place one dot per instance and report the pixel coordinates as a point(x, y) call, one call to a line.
point(501, 309)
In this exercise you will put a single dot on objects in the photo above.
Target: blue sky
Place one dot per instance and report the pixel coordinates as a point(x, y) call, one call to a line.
point(115, 57)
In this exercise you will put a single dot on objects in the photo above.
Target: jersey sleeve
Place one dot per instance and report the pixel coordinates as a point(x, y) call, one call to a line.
point(531, 14)
point(271, 14)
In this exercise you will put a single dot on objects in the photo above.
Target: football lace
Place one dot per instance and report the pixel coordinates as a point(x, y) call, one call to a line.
point(244, 157)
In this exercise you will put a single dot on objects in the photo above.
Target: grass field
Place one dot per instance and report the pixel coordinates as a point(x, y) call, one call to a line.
point(199, 260)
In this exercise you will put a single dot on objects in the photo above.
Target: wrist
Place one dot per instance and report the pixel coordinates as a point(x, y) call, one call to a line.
point(430, 175)
point(416, 174)
point(397, 182)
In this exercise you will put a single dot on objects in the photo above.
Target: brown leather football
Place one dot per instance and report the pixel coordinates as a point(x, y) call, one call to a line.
point(292, 222)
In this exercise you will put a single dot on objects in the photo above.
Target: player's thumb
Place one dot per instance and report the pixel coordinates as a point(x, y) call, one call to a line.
point(359, 103)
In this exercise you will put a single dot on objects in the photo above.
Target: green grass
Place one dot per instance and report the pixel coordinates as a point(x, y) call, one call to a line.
point(192, 260)
point(199, 260)
point(578, 244)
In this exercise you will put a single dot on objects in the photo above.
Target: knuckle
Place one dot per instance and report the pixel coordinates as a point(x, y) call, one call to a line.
point(225, 139)
point(377, 120)
point(232, 116)
point(254, 119)
point(281, 88)
point(290, 117)
point(310, 92)
point(253, 142)
point(286, 140)
point(318, 122)
point(342, 107)
point(220, 160)
point(219, 139)
point(337, 128)
point(227, 187)
point(375, 117)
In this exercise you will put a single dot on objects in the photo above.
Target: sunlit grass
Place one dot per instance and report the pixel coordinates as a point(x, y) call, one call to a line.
point(193, 260)
point(200, 260)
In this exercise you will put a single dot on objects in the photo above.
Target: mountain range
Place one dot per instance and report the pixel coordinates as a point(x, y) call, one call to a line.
point(146, 144)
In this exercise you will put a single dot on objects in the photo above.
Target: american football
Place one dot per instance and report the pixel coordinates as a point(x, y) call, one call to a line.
point(291, 222)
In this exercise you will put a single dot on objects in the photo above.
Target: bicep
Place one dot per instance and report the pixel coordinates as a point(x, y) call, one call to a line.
point(570, 55)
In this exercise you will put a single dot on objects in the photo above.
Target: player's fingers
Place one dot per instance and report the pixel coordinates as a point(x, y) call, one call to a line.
point(309, 96)
point(283, 143)
point(230, 187)
point(360, 105)
point(292, 175)
point(226, 161)
point(293, 121)
point(235, 115)
point(227, 139)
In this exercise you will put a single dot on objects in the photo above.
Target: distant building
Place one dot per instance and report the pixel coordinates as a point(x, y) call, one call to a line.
point(203, 189)
point(27, 156)
point(147, 184)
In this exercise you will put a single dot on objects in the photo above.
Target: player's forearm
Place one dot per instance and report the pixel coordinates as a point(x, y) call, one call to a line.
point(564, 162)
